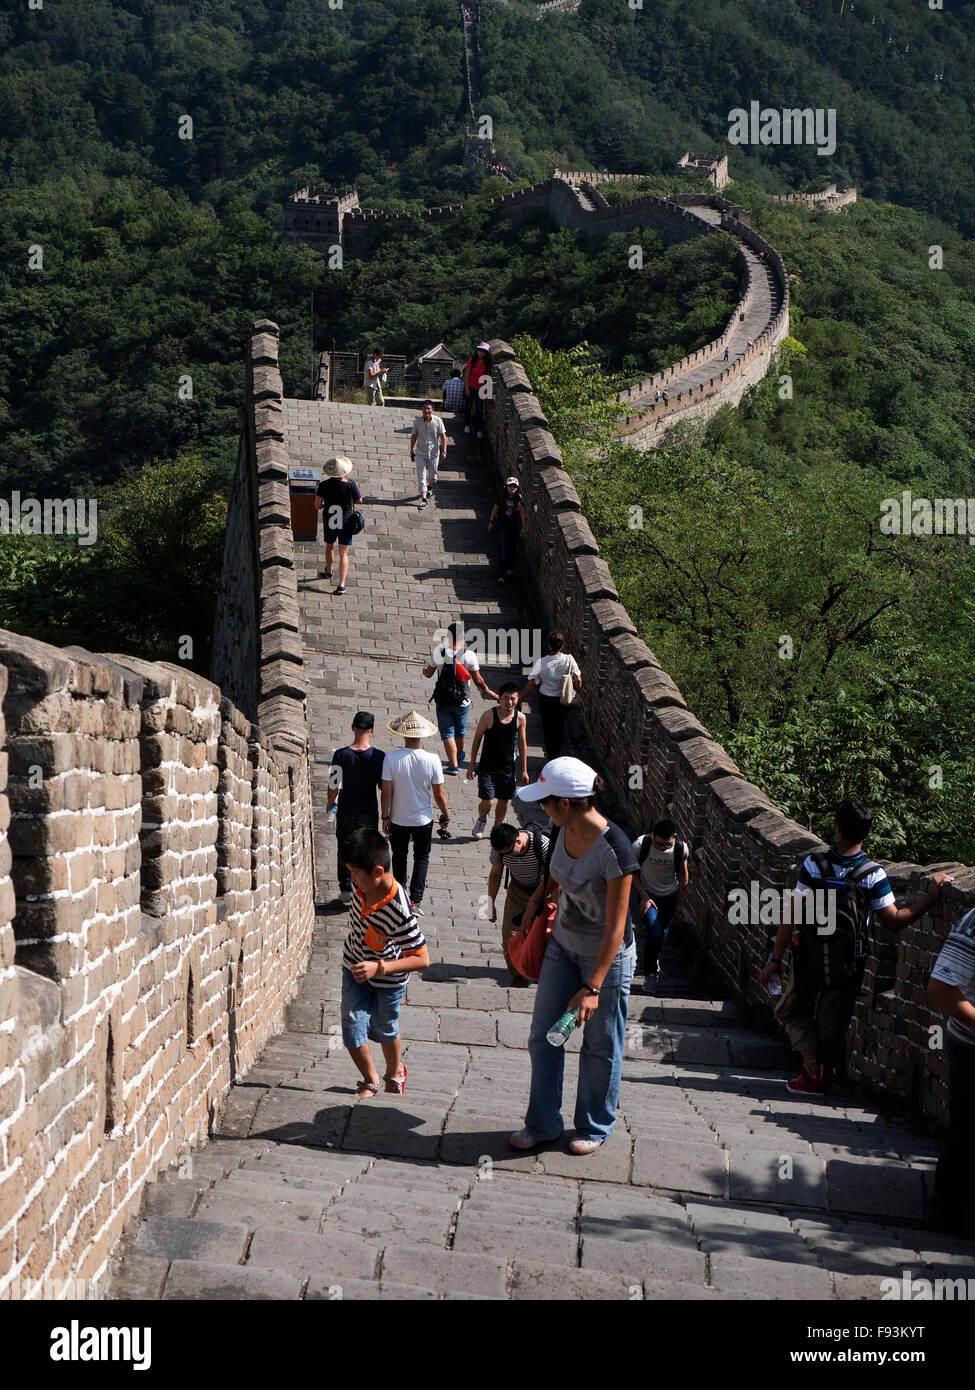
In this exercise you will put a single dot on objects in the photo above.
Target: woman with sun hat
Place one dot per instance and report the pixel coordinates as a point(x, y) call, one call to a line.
point(588, 962)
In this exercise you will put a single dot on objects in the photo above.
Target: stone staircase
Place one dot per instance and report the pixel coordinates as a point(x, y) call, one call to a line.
point(716, 1184)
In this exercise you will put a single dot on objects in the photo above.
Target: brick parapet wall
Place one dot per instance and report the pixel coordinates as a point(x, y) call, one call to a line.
point(156, 892)
point(636, 718)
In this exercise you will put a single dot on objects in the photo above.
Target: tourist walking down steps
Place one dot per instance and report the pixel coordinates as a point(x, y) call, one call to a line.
point(428, 449)
point(588, 962)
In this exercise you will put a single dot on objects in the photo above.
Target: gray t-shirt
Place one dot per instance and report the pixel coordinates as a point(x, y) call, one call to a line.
point(581, 920)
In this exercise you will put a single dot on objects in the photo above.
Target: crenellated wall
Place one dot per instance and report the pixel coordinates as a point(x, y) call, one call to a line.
point(636, 718)
point(156, 889)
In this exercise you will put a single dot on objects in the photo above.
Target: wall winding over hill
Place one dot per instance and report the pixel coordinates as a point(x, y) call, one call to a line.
point(637, 718)
point(156, 899)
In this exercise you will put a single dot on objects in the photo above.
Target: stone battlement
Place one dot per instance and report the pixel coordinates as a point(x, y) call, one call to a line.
point(636, 716)
point(830, 200)
point(156, 899)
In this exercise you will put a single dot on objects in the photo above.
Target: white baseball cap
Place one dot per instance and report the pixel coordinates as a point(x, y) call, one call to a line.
point(568, 777)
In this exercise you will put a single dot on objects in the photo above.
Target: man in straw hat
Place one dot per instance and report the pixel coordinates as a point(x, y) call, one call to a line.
point(337, 496)
point(410, 776)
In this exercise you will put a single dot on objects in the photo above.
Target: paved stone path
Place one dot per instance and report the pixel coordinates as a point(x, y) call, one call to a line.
point(717, 1184)
point(765, 304)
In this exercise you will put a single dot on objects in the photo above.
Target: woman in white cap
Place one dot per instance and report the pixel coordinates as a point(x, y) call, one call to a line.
point(588, 963)
point(478, 367)
point(410, 776)
point(509, 516)
point(337, 496)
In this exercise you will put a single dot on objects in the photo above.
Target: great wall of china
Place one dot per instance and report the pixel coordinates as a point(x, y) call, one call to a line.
point(699, 384)
point(156, 849)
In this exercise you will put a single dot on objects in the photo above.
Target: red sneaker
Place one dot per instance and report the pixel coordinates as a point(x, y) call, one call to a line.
point(809, 1083)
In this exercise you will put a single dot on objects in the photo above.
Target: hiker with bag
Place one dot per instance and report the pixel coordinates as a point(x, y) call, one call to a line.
point(588, 962)
point(830, 947)
point(558, 678)
point(455, 667)
point(520, 855)
point(659, 891)
point(337, 497)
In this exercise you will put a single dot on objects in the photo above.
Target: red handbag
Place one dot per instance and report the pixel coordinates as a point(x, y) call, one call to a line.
point(527, 947)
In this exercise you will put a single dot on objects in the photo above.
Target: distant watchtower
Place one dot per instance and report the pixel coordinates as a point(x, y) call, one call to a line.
point(315, 215)
point(713, 167)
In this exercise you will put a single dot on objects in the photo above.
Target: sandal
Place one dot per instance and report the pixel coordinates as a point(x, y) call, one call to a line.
point(364, 1090)
point(396, 1085)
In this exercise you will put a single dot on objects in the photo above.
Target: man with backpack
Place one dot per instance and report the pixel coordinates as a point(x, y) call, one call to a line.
point(455, 666)
point(659, 887)
point(521, 854)
point(829, 955)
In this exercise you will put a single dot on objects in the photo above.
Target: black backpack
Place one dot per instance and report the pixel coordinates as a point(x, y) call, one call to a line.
point(837, 959)
point(449, 689)
point(680, 853)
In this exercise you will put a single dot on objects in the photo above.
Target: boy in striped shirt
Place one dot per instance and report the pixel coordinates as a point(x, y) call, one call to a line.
point(383, 945)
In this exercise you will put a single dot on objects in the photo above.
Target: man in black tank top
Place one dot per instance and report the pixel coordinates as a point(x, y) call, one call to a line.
point(502, 733)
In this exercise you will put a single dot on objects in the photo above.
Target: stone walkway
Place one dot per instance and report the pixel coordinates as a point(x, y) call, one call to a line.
point(717, 1184)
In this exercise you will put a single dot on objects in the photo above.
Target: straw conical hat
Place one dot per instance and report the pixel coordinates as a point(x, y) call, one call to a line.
point(412, 725)
point(337, 467)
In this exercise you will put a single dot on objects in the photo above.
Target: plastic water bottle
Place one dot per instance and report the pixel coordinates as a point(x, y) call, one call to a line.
point(558, 1034)
point(774, 985)
point(333, 813)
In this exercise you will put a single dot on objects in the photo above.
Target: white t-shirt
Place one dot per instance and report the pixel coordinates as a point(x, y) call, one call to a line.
point(467, 659)
point(549, 672)
point(657, 873)
point(412, 771)
point(371, 372)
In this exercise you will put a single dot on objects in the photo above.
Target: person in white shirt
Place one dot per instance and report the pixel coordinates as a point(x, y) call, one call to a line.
point(372, 378)
point(411, 775)
point(952, 988)
point(428, 449)
point(548, 673)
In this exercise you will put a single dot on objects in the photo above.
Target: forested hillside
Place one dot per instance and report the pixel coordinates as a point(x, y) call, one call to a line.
point(631, 88)
point(159, 251)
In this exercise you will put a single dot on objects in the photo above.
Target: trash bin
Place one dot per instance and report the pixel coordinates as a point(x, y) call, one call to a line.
point(302, 483)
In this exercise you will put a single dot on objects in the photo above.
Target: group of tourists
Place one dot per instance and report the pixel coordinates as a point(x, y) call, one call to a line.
point(604, 887)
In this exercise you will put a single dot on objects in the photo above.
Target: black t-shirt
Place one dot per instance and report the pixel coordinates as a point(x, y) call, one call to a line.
point(337, 492)
point(508, 510)
point(362, 771)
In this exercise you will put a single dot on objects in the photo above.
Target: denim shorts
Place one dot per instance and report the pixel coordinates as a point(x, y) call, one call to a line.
point(368, 1012)
point(495, 784)
point(452, 720)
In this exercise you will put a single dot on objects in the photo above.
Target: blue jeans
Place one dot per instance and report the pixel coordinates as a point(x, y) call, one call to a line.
point(601, 1059)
